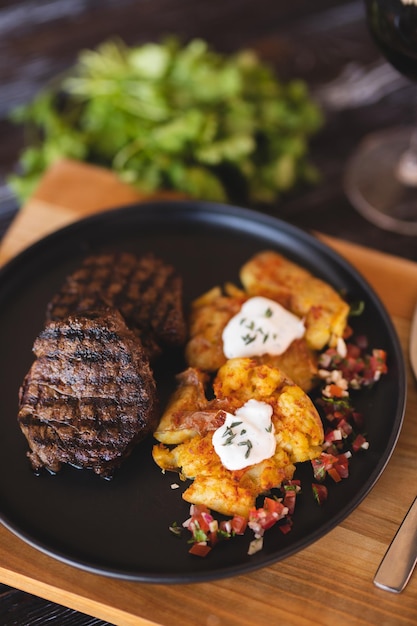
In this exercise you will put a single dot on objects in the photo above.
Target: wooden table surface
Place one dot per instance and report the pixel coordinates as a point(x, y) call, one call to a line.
point(331, 581)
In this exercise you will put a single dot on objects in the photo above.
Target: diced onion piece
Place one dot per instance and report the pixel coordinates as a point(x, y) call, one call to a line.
point(255, 545)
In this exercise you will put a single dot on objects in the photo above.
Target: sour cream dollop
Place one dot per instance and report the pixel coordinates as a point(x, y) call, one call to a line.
point(247, 437)
point(262, 326)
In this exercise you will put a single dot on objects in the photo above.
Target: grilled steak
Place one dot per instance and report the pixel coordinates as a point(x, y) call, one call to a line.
point(146, 291)
point(90, 395)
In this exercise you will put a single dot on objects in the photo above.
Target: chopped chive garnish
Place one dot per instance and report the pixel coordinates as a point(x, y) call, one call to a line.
point(247, 339)
point(249, 446)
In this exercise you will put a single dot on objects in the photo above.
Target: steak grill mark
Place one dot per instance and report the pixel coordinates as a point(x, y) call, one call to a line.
point(146, 291)
point(87, 412)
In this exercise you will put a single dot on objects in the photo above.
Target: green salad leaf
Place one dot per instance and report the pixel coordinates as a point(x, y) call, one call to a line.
point(172, 116)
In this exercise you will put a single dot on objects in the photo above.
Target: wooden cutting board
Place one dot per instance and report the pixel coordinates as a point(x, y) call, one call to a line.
point(330, 582)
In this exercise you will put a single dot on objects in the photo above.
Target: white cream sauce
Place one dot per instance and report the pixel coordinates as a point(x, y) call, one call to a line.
point(247, 437)
point(262, 326)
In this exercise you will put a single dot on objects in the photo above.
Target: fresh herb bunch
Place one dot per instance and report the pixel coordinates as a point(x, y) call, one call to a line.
point(167, 116)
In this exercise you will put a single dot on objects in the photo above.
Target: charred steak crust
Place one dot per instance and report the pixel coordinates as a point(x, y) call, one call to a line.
point(90, 395)
point(145, 290)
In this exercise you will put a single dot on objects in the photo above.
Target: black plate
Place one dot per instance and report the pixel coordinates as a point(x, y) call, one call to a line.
point(120, 527)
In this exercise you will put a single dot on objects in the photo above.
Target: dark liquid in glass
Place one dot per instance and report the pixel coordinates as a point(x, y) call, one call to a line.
point(393, 25)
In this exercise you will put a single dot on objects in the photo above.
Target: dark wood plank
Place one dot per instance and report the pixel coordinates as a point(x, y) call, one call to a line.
point(18, 608)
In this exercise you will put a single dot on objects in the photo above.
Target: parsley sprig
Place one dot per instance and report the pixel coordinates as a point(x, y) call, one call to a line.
point(168, 116)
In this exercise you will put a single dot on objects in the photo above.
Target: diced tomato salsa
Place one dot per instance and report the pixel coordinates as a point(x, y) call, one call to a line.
point(343, 437)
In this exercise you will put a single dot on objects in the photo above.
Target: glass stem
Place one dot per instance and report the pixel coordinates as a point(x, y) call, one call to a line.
point(407, 167)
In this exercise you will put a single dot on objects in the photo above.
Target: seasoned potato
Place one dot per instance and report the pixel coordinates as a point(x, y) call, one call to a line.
point(298, 427)
point(298, 435)
point(299, 362)
point(189, 412)
point(189, 397)
point(209, 315)
point(185, 432)
point(271, 275)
